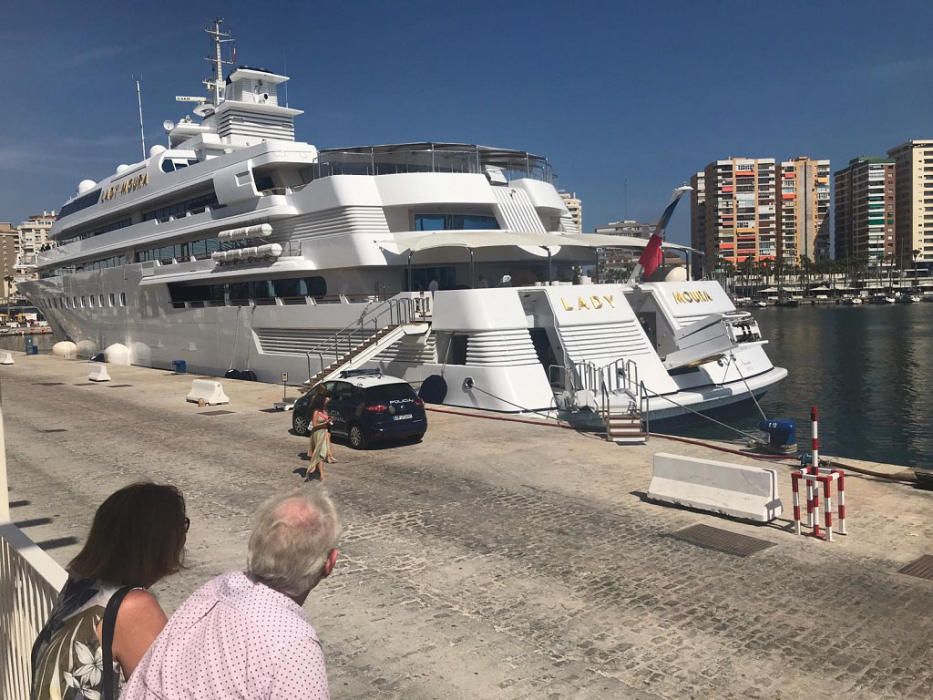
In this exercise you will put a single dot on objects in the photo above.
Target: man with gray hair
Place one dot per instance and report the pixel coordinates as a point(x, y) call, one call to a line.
point(244, 634)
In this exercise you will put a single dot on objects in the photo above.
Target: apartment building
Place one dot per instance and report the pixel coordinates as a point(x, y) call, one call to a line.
point(864, 206)
point(33, 237)
point(740, 210)
point(9, 241)
point(575, 207)
point(913, 207)
point(614, 264)
point(698, 221)
point(803, 210)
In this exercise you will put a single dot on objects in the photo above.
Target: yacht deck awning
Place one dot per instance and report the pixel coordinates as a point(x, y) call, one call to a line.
point(417, 241)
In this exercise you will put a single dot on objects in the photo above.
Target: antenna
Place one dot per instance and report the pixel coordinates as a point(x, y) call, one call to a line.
point(219, 38)
point(286, 82)
point(139, 102)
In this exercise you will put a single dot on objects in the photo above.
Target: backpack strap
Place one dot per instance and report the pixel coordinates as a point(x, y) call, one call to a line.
point(108, 627)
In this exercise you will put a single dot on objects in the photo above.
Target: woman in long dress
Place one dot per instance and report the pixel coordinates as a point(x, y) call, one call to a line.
point(320, 438)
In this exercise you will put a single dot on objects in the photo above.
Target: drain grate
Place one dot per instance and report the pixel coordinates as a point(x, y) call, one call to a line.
point(119, 386)
point(721, 540)
point(52, 430)
point(215, 413)
point(23, 524)
point(57, 542)
point(922, 568)
point(49, 383)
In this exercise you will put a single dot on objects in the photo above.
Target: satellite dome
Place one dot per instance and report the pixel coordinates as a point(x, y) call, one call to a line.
point(156, 150)
point(86, 186)
point(122, 167)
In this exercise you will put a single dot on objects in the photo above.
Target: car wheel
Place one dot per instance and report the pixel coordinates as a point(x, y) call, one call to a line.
point(300, 424)
point(417, 438)
point(356, 437)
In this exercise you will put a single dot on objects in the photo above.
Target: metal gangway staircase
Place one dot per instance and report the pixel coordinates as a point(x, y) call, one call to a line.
point(377, 329)
point(621, 399)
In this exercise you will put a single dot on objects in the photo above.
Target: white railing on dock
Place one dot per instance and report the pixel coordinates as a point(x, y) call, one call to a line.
point(29, 583)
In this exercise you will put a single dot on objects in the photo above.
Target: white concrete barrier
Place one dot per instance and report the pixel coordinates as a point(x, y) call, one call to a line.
point(6, 358)
point(750, 493)
point(208, 391)
point(99, 373)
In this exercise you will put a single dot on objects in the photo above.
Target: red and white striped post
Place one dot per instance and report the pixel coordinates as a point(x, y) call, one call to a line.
point(795, 487)
point(812, 487)
point(841, 492)
point(828, 505)
point(815, 513)
point(815, 438)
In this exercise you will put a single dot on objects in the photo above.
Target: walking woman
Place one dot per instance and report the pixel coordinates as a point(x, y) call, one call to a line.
point(319, 451)
point(104, 619)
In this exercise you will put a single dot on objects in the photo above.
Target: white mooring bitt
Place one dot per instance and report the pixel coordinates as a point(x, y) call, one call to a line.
point(208, 391)
point(99, 373)
point(750, 493)
point(6, 357)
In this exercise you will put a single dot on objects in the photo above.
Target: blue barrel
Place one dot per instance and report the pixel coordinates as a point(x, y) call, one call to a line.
point(179, 366)
point(781, 433)
point(31, 347)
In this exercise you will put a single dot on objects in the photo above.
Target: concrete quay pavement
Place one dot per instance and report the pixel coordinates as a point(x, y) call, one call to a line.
point(495, 559)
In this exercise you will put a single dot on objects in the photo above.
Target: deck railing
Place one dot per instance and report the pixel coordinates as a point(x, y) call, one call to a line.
point(29, 583)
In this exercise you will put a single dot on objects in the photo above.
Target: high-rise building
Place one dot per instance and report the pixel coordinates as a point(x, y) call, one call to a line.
point(913, 207)
point(740, 211)
point(864, 204)
point(33, 237)
point(698, 221)
point(803, 210)
point(575, 207)
point(9, 237)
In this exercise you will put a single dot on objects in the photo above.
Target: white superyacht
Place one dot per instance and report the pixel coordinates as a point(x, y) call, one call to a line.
point(454, 266)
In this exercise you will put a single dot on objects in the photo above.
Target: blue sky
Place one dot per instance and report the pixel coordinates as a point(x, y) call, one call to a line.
point(626, 99)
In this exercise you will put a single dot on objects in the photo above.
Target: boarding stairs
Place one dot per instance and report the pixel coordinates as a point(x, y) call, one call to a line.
point(359, 342)
point(620, 398)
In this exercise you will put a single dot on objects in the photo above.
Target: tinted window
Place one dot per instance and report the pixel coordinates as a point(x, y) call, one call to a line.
point(342, 392)
point(390, 392)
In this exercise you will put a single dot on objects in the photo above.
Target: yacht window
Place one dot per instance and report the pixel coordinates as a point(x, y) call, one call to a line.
point(74, 303)
point(316, 287)
point(101, 299)
point(289, 287)
point(239, 291)
point(122, 298)
point(90, 301)
point(168, 166)
point(454, 222)
point(82, 202)
point(261, 289)
point(113, 300)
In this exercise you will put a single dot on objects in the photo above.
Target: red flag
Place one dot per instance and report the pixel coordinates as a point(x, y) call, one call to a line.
point(651, 257)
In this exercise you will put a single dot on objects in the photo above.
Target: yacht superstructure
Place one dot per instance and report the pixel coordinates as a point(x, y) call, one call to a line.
point(456, 265)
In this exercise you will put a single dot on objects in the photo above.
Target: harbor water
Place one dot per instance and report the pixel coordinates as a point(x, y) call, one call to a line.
point(869, 369)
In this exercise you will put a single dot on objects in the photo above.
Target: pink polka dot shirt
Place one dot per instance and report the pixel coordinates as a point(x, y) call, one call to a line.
point(233, 638)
